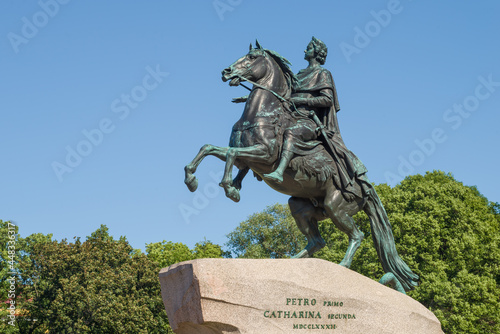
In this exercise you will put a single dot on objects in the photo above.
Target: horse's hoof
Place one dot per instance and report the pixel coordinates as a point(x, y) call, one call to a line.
point(191, 182)
point(301, 255)
point(345, 264)
point(390, 279)
point(233, 194)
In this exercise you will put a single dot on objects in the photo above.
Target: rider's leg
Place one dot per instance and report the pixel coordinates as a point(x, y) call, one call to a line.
point(286, 157)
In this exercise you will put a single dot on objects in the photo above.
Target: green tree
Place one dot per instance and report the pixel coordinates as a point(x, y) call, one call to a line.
point(14, 250)
point(166, 253)
point(207, 249)
point(268, 234)
point(100, 285)
point(451, 236)
point(448, 233)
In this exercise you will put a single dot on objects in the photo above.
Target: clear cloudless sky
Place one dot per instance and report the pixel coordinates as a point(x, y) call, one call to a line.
point(418, 84)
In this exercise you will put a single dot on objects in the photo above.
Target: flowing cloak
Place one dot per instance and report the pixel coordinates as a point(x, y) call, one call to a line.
point(316, 84)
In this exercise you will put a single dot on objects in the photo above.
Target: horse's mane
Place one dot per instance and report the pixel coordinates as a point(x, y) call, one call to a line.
point(283, 63)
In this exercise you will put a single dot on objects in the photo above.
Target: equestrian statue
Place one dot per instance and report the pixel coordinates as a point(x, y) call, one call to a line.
point(288, 135)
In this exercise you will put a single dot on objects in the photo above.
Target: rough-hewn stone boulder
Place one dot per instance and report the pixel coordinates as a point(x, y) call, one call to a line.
point(285, 296)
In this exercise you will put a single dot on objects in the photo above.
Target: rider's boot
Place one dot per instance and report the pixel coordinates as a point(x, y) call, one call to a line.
point(277, 175)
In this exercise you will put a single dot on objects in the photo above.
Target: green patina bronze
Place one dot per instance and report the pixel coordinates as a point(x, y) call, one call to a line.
point(288, 135)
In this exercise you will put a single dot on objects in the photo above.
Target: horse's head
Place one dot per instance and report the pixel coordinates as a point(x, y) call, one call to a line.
point(253, 66)
point(261, 66)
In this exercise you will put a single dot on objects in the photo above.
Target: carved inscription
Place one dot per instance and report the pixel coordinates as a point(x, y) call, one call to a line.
point(301, 309)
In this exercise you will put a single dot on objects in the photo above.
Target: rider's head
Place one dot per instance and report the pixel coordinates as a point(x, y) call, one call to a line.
point(320, 50)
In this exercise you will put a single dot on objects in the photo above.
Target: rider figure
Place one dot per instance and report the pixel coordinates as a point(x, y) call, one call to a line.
point(315, 92)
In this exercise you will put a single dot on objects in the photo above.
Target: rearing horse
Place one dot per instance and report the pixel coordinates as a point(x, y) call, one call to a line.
point(255, 144)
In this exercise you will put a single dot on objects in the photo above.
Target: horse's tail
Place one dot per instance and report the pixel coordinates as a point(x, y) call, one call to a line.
point(383, 240)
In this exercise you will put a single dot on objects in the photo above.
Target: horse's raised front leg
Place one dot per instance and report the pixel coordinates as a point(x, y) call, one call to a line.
point(256, 153)
point(206, 150)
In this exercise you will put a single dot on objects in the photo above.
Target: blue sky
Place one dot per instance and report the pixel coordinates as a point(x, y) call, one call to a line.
point(104, 103)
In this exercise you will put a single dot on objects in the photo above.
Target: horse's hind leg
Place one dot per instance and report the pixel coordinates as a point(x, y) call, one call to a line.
point(340, 212)
point(207, 149)
point(306, 216)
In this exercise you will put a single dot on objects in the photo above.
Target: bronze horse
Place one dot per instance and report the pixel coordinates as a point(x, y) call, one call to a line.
point(255, 144)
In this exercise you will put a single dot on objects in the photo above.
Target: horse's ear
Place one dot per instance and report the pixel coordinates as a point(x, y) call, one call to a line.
point(250, 49)
point(257, 44)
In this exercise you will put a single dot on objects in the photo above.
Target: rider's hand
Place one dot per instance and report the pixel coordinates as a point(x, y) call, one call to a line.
point(330, 133)
point(298, 100)
point(240, 99)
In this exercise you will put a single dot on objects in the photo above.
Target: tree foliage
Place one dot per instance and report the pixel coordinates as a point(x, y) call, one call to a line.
point(448, 233)
point(97, 286)
point(268, 234)
point(166, 253)
point(100, 285)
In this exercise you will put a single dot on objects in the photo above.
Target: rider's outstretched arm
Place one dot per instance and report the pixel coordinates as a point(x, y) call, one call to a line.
point(240, 99)
point(324, 100)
